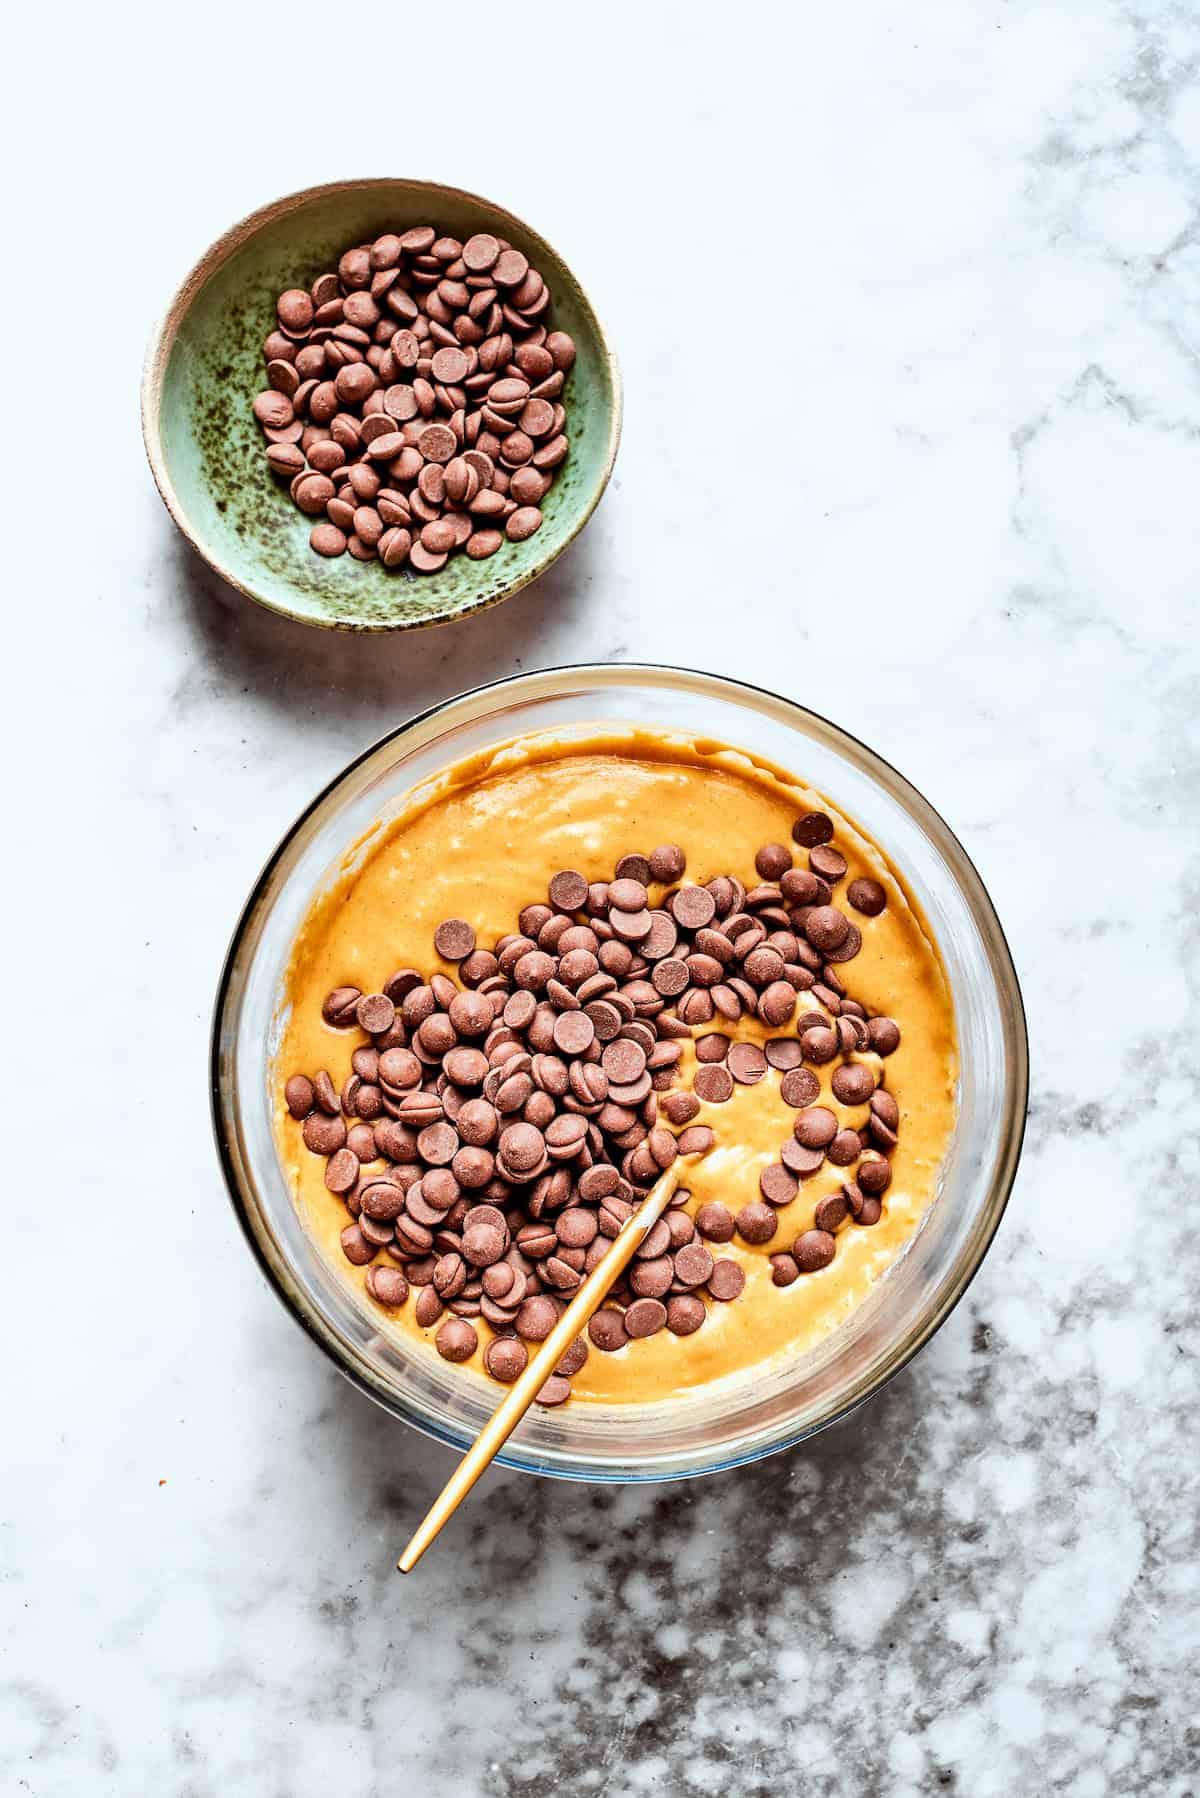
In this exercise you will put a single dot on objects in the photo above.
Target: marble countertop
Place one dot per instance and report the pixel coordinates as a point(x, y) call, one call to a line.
point(951, 499)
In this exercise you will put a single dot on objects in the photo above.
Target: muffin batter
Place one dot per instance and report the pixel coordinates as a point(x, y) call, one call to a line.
point(484, 840)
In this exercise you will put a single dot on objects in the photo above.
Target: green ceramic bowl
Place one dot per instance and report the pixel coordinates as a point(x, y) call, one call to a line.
point(204, 367)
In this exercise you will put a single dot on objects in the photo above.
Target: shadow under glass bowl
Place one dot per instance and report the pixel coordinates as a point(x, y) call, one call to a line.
point(775, 1405)
point(205, 365)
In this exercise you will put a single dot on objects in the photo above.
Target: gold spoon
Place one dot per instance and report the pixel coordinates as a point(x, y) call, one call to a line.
point(508, 1414)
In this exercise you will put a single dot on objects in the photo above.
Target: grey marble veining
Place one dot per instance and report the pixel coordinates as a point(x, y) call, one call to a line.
point(951, 502)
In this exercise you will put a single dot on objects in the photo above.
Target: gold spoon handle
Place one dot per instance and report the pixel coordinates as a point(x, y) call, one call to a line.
point(512, 1408)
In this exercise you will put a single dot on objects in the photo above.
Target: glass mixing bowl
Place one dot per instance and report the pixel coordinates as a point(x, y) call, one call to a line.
point(782, 1402)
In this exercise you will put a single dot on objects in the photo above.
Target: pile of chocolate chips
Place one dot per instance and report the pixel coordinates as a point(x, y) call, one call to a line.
point(413, 400)
point(493, 1137)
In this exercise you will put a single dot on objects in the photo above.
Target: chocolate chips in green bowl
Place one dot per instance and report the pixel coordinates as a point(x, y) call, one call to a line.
point(229, 471)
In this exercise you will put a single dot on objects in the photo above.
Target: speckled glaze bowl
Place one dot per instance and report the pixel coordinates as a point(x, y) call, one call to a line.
point(205, 365)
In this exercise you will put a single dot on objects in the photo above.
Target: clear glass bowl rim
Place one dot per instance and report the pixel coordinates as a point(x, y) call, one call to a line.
point(474, 704)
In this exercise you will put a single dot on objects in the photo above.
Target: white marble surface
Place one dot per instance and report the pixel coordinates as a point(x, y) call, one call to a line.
point(955, 505)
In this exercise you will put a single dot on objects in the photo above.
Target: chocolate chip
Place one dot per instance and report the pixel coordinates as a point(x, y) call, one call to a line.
point(471, 1014)
point(598, 1182)
point(456, 1340)
point(800, 1160)
point(813, 828)
point(828, 863)
point(847, 949)
point(866, 896)
point(776, 1005)
point(757, 1222)
point(556, 1391)
point(573, 1360)
point(428, 1307)
point(568, 891)
point(652, 1279)
point(695, 1007)
point(874, 1177)
point(713, 1084)
point(340, 1007)
point(399, 1069)
point(624, 1061)
point(522, 1147)
point(693, 907)
point(772, 861)
point(662, 1146)
point(454, 939)
point(299, 1096)
point(323, 1134)
point(715, 1221)
point(800, 888)
point(825, 927)
point(853, 1083)
point(382, 1199)
point(666, 863)
point(536, 1241)
point(777, 1184)
point(883, 1035)
point(633, 867)
point(380, 1234)
point(483, 1244)
point(645, 1317)
point(398, 985)
point(704, 970)
point(679, 1108)
point(341, 1171)
point(871, 1212)
point(375, 1013)
point(533, 970)
point(845, 1148)
point(726, 1281)
point(747, 1063)
point(438, 1144)
point(606, 1328)
point(564, 1136)
point(506, 1359)
point(536, 1317)
point(387, 1285)
point(669, 976)
point(815, 1127)
point(360, 1140)
point(784, 1271)
point(327, 540)
point(885, 1109)
point(831, 1211)
point(685, 1314)
point(799, 1086)
point(853, 1195)
point(693, 1264)
point(355, 1246)
point(696, 1140)
point(627, 894)
point(820, 1044)
point(632, 926)
point(813, 1249)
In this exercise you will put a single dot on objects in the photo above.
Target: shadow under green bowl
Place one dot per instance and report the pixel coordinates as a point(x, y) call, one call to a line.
point(205, 365)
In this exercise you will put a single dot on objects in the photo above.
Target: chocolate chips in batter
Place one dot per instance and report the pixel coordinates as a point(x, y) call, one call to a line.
point(496, 1132)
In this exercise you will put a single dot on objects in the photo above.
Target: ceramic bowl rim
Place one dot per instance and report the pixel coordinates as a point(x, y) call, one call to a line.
point(162, 342)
